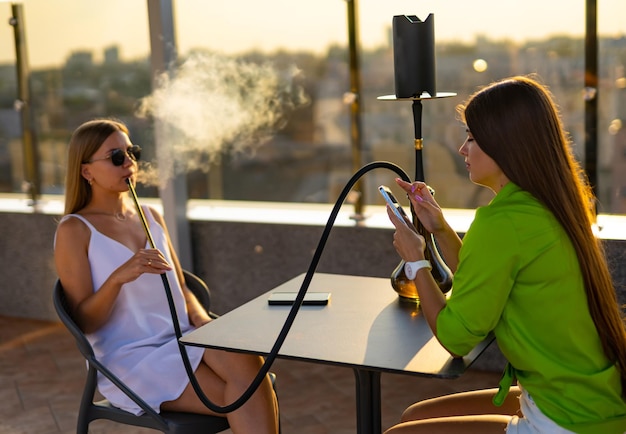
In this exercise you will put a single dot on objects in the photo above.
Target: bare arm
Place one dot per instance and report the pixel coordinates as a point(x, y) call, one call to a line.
point(90, 310)
point(449, 244)
point(410, 246)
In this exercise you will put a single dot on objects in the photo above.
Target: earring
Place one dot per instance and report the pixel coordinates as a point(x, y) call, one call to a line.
point(90, 181)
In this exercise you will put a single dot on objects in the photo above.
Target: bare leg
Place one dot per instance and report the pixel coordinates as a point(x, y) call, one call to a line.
point(485, 424)
point(466, 412)
point(223, 377)
point(465, 403)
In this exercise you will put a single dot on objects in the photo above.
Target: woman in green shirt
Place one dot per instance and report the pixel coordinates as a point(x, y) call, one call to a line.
point(530, 270)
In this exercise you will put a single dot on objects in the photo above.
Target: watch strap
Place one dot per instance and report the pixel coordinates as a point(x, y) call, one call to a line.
point(411, 268)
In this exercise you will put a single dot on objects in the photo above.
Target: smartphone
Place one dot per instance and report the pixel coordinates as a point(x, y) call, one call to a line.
point(310, 298)
point(391, 200)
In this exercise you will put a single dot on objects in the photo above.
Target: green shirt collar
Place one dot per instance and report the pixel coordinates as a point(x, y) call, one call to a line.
point(505, 192)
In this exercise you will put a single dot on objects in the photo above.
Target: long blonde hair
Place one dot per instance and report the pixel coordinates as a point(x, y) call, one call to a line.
point(516, 122)
point(84, 143)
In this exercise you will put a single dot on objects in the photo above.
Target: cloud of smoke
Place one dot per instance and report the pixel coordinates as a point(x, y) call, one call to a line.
point(212, 103)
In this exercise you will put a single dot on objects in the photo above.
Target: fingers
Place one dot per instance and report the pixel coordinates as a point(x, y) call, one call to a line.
point(408, 222)
point(152, 260)
point(408, 244)
point(400, 225)
point(409, 187)
point(393, 217)
point(416, 191)
point(421, 196)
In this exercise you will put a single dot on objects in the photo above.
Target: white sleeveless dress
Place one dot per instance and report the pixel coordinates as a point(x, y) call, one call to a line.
point(138, 343)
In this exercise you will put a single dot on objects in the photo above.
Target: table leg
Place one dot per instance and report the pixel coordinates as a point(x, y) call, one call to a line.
point(368, 401)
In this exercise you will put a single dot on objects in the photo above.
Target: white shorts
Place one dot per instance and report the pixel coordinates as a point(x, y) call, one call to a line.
point(534, 421)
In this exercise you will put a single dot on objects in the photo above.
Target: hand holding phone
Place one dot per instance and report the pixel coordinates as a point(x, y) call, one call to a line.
point(393, 202)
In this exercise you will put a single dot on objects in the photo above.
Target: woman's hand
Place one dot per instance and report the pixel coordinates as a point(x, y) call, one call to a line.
point(407, 242)
point(430, 215)
point(427, 209)
point(144, 261)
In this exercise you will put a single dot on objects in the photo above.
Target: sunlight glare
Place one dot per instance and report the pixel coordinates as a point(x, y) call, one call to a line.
point(480, 65)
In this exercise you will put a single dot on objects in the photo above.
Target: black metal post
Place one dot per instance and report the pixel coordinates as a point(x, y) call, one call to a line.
point(355, 103)
point(591, 93)
point(23, 105)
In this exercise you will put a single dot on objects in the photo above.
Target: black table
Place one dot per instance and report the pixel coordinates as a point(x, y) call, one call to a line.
point(364, 327)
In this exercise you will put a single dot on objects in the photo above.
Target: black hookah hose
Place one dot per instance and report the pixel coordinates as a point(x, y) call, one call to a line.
point(269, 360)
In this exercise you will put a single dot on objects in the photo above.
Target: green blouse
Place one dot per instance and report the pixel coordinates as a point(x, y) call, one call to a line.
point(518, 276)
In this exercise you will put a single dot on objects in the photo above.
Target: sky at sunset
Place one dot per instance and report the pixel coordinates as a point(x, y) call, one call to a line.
point(54, 28)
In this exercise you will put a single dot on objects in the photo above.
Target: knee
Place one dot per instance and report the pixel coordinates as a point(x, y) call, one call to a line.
point(413, 412)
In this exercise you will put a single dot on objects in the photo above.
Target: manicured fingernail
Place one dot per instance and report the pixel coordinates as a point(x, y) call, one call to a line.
point(413, 188)
point(418, 198)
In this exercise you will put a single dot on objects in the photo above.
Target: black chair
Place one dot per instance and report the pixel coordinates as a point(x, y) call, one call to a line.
point(200, 290)
point(166, 421)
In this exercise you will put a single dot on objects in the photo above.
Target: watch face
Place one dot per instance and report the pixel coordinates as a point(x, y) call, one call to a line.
point(411, 268)
point(409, 271)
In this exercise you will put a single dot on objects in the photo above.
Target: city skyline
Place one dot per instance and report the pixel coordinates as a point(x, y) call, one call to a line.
point(55, 29)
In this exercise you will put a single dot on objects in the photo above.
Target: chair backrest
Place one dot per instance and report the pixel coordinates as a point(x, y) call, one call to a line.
point(63, 311)
point(200, 290)
point(94, 366)
point(168, 422)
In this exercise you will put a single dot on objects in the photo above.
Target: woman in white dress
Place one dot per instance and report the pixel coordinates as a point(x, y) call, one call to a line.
point(113, 285)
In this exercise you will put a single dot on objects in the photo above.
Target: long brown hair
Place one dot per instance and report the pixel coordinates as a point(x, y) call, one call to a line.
point(85, 142)
point(516, 122)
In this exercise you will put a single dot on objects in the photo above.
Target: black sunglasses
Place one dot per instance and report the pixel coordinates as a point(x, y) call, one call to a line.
point(118, 155)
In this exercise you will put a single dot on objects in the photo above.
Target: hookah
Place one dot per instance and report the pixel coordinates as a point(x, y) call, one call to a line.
point(414, 68)
point(406, 89)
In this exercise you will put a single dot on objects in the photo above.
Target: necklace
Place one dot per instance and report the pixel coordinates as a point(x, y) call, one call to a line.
point(119, 215)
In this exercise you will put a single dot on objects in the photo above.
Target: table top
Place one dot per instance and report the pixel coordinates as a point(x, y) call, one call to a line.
point(364, 326)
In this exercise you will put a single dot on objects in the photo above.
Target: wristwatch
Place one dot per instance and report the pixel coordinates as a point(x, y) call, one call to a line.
point(411, 268)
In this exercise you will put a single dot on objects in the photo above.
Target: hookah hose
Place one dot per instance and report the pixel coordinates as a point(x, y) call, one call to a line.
point(256, 382)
